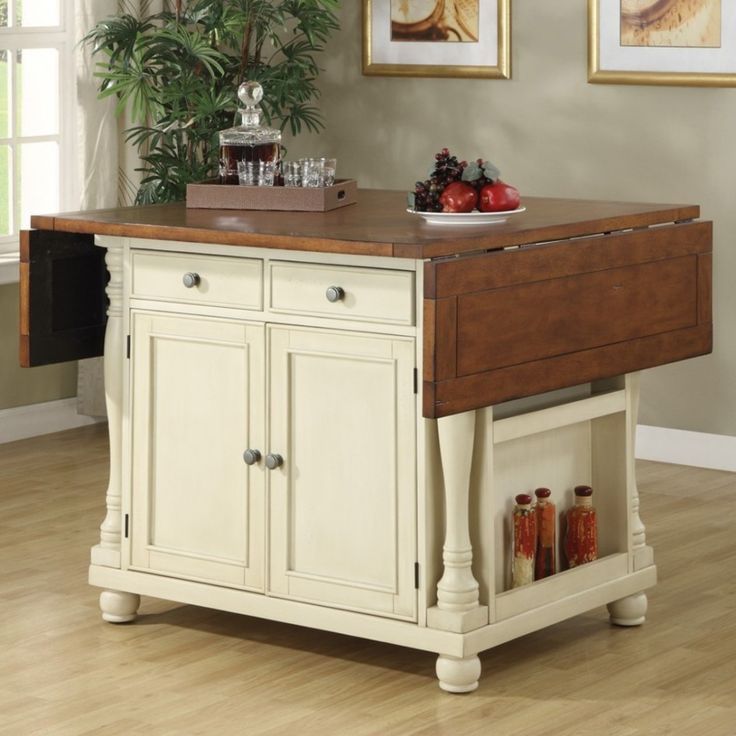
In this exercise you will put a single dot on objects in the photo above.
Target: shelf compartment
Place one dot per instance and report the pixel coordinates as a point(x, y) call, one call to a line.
point(562, 585)
point(579, 442)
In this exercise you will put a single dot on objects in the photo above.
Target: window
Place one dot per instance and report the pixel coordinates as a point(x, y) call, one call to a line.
point(36, 113)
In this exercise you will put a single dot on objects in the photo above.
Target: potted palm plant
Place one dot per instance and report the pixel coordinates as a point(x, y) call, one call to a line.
point(176, 74)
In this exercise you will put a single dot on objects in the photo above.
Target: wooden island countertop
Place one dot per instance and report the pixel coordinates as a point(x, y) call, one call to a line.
point(377, 224)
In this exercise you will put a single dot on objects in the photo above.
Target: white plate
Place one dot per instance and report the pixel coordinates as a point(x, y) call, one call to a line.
point(466, 218)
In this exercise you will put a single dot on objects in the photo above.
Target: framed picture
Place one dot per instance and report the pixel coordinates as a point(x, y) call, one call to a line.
point(437, 38)
point(676, 42)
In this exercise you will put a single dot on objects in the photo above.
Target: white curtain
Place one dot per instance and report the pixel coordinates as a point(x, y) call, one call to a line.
point(106, 164)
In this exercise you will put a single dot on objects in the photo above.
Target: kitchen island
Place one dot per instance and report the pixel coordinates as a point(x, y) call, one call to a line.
point(324, 418)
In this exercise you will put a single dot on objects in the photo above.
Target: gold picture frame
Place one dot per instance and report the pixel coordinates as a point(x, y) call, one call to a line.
point(488, 56)
point(649, 42)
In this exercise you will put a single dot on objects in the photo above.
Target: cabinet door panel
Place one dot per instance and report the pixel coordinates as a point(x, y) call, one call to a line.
point(343, 503)
point(198, 509)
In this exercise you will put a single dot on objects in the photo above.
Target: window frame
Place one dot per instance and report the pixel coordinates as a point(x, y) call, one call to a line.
point(61, 38)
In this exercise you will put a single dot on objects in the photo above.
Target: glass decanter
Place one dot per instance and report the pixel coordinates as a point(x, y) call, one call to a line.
point(249, 141)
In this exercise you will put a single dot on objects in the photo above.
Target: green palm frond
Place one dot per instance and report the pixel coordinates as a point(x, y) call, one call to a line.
point(176, 76)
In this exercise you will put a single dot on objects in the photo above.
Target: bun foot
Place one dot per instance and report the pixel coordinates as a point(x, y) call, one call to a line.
point(458, 675)
point(118, 607)
point(629, 611)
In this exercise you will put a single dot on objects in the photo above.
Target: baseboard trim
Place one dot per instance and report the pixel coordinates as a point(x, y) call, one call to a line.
point(33, 420)
point(682, 447)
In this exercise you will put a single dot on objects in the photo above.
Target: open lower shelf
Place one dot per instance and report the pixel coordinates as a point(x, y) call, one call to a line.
point(562, 585)
point(577, 442)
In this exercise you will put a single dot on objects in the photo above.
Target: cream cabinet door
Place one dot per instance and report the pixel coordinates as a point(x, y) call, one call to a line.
point(198, 404)
point(342, 503)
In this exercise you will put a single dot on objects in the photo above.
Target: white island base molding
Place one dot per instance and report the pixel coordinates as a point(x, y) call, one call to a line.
point(120, 599)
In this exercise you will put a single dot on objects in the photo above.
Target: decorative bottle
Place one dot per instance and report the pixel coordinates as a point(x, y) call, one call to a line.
point(249, 141)
point(525, 541)
point(544, 561)
point(581, 537)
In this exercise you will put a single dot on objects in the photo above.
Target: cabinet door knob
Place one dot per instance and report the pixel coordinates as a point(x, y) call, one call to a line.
point(335, 293)
point(191, 280)
point(274, 461)
point(251, 457)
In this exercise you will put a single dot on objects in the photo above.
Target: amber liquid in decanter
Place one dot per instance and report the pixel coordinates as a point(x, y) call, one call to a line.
point(231, 153)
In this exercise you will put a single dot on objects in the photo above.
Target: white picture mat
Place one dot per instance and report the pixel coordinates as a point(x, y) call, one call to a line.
point(613, 56)
point(431, 53)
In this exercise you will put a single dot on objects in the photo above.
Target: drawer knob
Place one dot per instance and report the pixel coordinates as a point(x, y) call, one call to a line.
point(274, 461)
point(335, 293)
point(251, 457)
point(191, 280)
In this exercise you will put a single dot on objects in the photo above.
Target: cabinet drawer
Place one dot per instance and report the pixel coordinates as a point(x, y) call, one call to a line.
point(364, 294)
point(219, 281)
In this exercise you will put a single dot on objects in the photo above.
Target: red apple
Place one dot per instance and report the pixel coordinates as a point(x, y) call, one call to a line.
point(498, 197)
point(458, 197)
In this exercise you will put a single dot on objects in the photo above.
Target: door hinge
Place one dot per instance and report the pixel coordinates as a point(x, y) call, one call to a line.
point(127, 346)
point(416, 381)
point(416, 576)
point(126, 526)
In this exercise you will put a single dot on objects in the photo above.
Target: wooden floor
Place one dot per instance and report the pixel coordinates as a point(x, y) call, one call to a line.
point(183, 670)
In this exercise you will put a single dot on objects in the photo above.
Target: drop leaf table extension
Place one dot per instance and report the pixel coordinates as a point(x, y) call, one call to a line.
point(324, 418)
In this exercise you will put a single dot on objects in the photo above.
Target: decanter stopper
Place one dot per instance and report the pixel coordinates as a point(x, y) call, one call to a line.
point(250, 94)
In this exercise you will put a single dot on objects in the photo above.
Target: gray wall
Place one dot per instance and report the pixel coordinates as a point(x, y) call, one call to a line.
point(553, 134)
point(20, 386)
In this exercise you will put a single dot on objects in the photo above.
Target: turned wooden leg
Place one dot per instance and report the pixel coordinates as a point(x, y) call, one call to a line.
point(643, 555)
point(629, 611)
point(107, 552)
point(458, 608)
point(118, 607)
point(458, 675)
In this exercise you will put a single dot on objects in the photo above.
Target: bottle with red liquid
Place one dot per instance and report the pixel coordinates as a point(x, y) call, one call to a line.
point(249, 141)
point(581, 537)
point(544, 561)
point(525, 541)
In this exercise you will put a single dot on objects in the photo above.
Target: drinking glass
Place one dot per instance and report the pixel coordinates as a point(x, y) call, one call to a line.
point(246, 173)
point(312, 172)
point(267, 173)
point(329, 168)
point(292, 174)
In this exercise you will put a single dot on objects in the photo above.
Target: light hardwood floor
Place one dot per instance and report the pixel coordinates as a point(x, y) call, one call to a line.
point(184, 670)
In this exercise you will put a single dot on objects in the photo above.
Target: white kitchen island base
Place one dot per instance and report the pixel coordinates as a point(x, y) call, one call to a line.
point(324, 419)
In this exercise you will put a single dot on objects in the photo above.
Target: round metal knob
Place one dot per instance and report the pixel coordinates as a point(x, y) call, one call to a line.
point(274, 461)
point(191, 280)
point(335, 293)
point(251, 457)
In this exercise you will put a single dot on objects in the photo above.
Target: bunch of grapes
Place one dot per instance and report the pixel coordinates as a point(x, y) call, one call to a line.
point(446, 170)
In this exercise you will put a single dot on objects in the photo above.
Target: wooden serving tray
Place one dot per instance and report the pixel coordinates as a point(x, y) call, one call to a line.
point(213, 195)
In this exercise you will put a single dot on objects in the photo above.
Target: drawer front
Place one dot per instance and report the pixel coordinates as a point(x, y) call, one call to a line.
point(363, 294)
point(214, 280)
